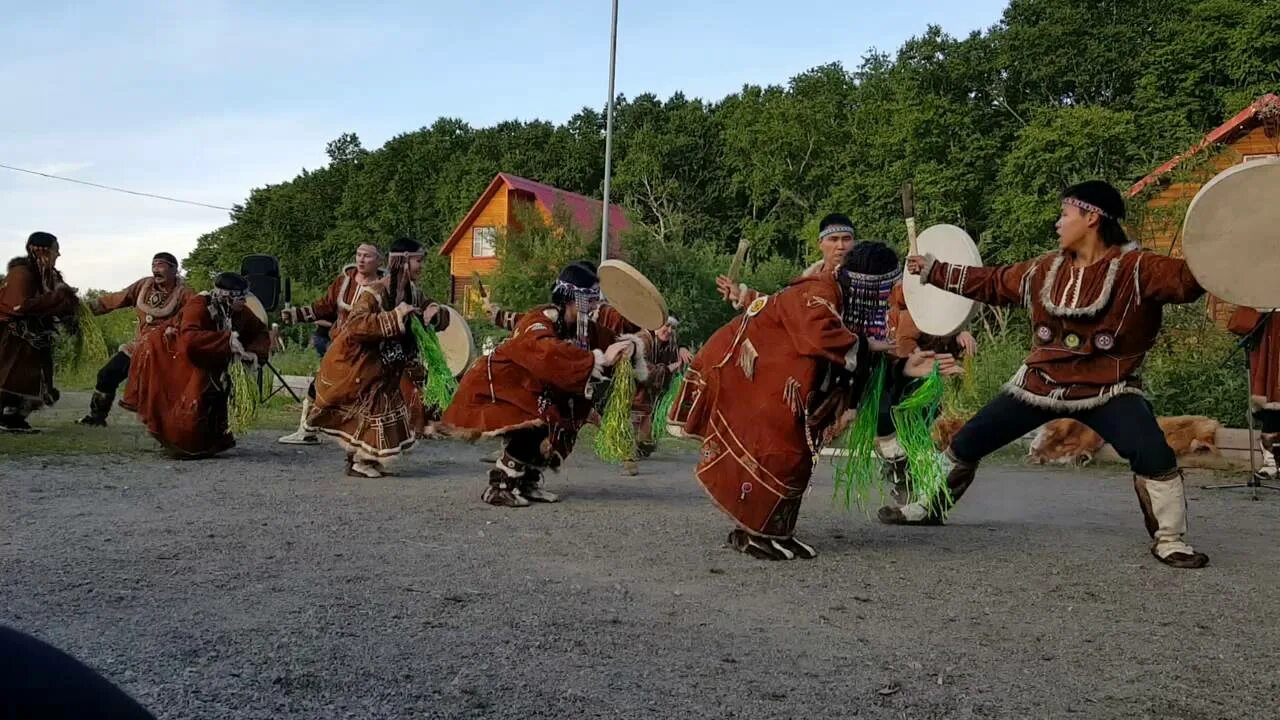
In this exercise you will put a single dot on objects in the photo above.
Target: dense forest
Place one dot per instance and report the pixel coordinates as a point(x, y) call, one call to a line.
point(989, 127)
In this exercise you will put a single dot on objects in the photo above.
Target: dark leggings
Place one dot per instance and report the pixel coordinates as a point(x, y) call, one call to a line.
point(1268, 421)
point(1126, 422)
point(526, 446)
point(113, 373)
point(896, 386)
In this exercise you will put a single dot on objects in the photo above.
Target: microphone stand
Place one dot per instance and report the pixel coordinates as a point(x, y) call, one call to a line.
point(1248, 343)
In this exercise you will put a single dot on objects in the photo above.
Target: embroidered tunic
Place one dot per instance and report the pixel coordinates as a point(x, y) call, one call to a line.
point(758, 396)
point(335, 305)
point(1092, 326)
point(155, 306)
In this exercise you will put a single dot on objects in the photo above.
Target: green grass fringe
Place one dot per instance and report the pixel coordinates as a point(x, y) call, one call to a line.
point(616, 441)
point(914, 417)
point(243, 400)
point(440, 385)
point(859, 472)
point(663, 408)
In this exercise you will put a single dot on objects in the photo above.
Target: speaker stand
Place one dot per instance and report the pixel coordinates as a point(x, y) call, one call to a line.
point(262, 377)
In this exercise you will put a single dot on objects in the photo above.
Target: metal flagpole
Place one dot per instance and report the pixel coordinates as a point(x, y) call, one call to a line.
point(608, 139)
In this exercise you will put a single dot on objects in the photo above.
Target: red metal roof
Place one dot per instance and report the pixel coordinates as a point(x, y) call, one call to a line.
point(585, 211)
point(1223, 133)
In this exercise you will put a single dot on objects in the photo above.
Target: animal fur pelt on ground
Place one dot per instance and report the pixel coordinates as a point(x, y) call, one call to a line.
point(1068, 442)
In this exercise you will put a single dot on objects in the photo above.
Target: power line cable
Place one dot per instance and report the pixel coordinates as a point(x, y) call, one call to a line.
point(114, 189)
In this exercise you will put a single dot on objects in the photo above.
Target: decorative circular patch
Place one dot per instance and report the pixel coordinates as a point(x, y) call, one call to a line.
point(1104, 341)
point(746, 488)
point(1044, 334)
point(1072, 340)
point(757, 305)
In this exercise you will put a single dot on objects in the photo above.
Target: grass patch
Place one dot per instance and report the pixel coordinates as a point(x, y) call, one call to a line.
point(64, 437)
point(60, 435)
point(296, 360)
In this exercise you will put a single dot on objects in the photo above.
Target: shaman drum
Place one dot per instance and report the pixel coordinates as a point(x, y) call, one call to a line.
point(252, 302)
point(936, 311)
point(1231, 237)
point(632, 295)
point(457, 343)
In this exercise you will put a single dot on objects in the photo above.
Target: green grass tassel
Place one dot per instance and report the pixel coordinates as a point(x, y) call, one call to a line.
point(440, 385)
point(859, 471)
point(616, 440)
point(914, 417)
point(242, 402)
point(86, 352)
point(663, 408)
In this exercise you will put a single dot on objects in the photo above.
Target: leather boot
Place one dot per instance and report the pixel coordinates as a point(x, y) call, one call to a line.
point(915, 513)
point(99, 408)
point(1164, 510)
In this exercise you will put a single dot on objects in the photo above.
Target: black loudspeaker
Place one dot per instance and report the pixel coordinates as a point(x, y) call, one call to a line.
point(263, 274)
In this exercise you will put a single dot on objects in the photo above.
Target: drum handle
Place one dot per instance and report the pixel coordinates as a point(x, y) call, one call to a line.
point(909, 214)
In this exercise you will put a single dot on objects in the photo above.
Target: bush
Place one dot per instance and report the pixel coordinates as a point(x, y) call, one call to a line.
point(1194, 369)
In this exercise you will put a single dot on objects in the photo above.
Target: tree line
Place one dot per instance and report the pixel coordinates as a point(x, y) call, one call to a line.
point(989, 127)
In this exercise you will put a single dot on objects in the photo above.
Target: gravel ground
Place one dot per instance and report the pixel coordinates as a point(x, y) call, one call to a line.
point(267, 585)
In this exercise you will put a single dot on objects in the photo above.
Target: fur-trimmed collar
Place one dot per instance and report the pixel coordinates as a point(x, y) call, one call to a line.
point(168, 306)
point(1093, 308)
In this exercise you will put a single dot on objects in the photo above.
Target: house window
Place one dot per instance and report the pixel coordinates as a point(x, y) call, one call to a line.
point(483, 240)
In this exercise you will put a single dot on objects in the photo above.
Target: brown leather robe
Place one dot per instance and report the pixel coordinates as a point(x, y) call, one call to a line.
point(178, 382)
point(360, 394)
point(29, 315)
point(535, 378)
point(757, 395)
point(1264, 360)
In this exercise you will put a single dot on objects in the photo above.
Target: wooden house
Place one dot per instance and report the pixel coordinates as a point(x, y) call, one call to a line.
point(471, 246)
point(1158, 202)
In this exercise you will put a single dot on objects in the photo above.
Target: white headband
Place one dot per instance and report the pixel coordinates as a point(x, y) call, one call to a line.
point(835, 230)
point(1087, 207)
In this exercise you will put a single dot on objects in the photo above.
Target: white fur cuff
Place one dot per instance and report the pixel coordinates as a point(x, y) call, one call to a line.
point(597, 371)
point(639, 363)
point(851, 357)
